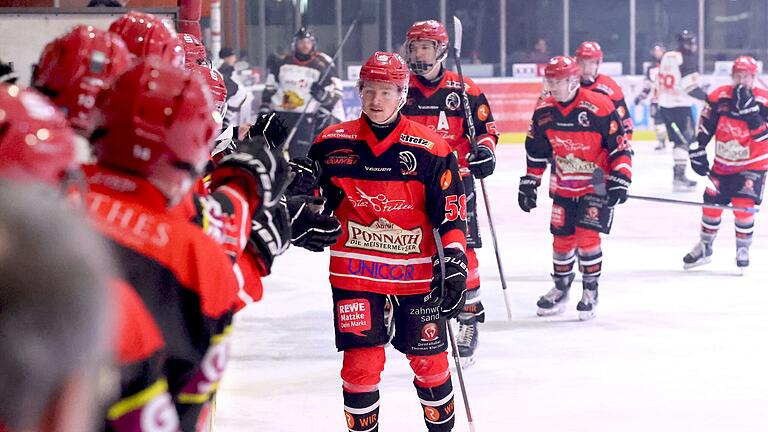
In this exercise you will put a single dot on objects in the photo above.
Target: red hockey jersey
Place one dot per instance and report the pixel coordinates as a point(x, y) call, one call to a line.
point(440, 107)
point(737, 147)
point(388, 196)
point(581, 136)
point(607, 86)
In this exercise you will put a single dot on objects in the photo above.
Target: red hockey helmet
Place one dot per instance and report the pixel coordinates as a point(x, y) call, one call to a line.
point(194, 50)
point(589, 50)
point(35, 139)
point(145, 34)
point(74, 68)
point(429, 30)
point(560, 67)
point(215, 83)
point(744, 64)
point(156, 121)
point(385, 67)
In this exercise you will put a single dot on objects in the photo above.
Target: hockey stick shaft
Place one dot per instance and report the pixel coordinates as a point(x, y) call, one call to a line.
point(598, 182)
point(322, 78)
point(451, 336)
point(473, 145)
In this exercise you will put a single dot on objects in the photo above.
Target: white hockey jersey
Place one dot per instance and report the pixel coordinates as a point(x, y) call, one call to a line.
point(677, 76)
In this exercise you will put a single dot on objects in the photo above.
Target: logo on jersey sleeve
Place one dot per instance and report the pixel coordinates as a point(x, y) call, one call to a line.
point(621, 111)
point(483, 112)
point(384, 236)
point(613, 127)
point(446, 179)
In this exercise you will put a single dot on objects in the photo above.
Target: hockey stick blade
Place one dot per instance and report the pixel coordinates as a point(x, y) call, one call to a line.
point(457, 35)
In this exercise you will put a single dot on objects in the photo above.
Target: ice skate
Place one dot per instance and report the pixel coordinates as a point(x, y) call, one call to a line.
point(588, 303)
point(680, 182)
point(742, 258)
point(466, 341)
point(700, 254)
point(661, 145)
point(553, 302)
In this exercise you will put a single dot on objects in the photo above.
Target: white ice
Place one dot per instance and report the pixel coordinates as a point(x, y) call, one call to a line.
point(669, 350)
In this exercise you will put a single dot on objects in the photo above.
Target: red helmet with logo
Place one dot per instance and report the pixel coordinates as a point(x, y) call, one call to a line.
point(155, 117)
point(744, 64)
point(385, 67)
point(215, 83)
point(35, 139)
point(194, 50)
point(429, 30)
point(74, 68)
point(589, 50)
point(145, 34)
point(561, 67)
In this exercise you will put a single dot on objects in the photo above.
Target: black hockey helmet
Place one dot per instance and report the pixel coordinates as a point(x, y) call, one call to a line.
point(686, 40)
point(304, 33)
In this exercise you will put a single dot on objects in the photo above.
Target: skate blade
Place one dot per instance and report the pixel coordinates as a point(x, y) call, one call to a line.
point(557, 310)
point(586, 315)
point(467, 362)
point(699, 263)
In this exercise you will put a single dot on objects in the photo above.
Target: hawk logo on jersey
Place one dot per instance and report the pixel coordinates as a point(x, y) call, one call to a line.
point(583, 119)
point(384, 236)
point(452, 101)
point(342, 157)
point(408, 139)
point(407, 163)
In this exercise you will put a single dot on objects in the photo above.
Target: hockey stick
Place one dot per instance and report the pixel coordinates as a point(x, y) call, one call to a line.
point(457, 35)
point(322, 78)
point(451, 336)
point(598, 182)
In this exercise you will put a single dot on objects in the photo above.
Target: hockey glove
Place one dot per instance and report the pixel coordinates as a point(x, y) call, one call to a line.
point(319, 93)
point(263, 172)
point(617, 186)
point(451, 298)
point(746, 106)
point(482, 162)
point(269, 126)
point(699, 161)
point(271, 235)
point(306, 172)
point(311, 229)
point(526, 197)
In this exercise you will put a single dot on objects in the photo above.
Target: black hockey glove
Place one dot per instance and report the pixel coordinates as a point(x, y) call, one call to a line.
point(262, 170)
point(699, 161)
point(270, 234)
point(617, 186)
point(450, 299)
point(319, 93)
point(269, 126)
point(311, 229)
point(746, 106)
point(306, 172)
point(526, 197)
point(482, 162)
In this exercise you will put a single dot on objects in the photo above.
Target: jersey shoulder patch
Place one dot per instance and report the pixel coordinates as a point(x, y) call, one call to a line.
point(761, 95)
point(344, 130)
point(419, 135)
point(598, 103)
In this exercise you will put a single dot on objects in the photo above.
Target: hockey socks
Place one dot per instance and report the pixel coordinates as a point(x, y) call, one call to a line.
point(438, 406)
point(362, 411)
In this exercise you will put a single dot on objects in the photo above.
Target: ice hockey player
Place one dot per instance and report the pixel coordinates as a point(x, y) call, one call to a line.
point(651, 88)
point(390, 180)
point(735, 116)
point(589, 55)
point(293, 83)
point(152, 140)
point(434, 99)
point(678, 83)
point(146, 34)
point(582, 132)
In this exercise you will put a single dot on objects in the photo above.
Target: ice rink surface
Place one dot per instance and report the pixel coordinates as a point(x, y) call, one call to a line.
point(669, 350)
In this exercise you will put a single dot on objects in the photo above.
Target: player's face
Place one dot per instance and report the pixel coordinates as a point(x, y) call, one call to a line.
point(380, 101)
point(304, 46)
point(423, 50)
point(657, 52)
point(561, 88)
point(744, 78)
point(588, 68)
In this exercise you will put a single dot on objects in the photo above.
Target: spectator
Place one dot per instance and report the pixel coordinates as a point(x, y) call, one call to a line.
point(54, 319)
point(540, 53)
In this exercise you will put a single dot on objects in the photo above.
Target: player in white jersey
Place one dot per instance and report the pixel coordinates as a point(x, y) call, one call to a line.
point(678, 86)
point(651, 88)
